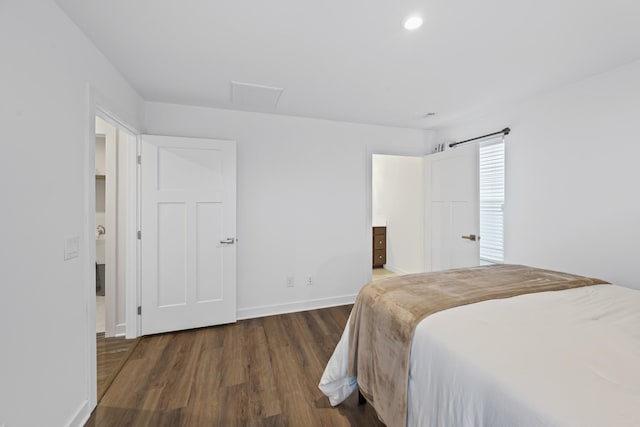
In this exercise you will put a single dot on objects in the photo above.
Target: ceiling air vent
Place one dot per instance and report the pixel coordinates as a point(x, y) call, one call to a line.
point(253, 96)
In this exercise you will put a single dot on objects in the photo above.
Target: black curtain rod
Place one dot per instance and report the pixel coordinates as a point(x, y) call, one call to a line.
point(504, 131)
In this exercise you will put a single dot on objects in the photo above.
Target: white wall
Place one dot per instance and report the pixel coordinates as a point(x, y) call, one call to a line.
point(398, 203)
point(47, 67)
point(572, 176)
point(303, 200)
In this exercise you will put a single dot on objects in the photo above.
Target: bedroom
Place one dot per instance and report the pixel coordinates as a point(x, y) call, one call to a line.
point(572, 200)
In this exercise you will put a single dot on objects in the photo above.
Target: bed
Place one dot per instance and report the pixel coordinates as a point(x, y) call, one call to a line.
point(563, 357)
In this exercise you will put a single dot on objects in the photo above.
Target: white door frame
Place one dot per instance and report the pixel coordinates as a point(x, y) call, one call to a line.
point(97, 106)
point(110, 134)
point(128, 151)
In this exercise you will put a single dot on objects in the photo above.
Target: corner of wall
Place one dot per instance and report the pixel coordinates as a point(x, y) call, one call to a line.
point(81, 416)
point(429, 140)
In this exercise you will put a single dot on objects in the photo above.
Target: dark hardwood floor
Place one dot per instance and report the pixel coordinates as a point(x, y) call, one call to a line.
point(112, 353)
point(258, 372)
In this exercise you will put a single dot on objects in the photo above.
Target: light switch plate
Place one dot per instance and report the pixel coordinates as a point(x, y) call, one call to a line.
point(71, 247)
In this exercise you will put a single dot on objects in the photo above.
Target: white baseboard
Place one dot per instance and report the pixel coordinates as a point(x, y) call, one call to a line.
point(293, 307)
point(121, 330)
point(396, 270)
point(81, 416)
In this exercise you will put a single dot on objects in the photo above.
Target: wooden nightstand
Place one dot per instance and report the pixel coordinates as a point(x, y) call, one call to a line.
point(379, 246)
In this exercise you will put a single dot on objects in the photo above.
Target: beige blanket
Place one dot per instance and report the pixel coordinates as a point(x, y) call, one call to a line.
point(386, 313)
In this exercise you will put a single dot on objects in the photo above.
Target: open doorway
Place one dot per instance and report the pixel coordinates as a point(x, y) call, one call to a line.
point(397, 215)
point(113, 179)
point(101, 233)
point(109, 292)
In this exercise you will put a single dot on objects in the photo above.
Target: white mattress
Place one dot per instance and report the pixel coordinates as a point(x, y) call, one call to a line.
point(566, 358)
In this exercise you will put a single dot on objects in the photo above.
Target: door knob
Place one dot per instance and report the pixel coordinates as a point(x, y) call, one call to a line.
point(228, 241)
point(471, 237)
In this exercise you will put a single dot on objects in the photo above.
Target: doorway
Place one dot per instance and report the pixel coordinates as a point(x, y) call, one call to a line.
point(109, 285)
point(114, 182)
point(100, 232)
point(397, 215)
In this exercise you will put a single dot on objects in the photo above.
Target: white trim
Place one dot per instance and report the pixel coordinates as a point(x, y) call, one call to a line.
point(396, 270)
point(293, 307)
point(81, 415)
point(138, 254)
point(111, 223)
point(426, 181)
point(121, 329)
point(132, 329)
point(112, 118)
point(90, 246)
point(368, 196)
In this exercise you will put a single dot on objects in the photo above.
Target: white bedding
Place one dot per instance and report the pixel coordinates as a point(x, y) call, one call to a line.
point(565, 358)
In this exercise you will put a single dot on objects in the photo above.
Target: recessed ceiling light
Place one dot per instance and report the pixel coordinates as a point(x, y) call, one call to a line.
point(412, 22)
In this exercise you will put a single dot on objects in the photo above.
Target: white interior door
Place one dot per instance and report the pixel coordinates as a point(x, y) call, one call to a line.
point(188, 225)
point(453, 214)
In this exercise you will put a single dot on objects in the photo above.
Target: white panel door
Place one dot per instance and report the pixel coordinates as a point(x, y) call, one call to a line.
point(188, 224)
point(454, 214)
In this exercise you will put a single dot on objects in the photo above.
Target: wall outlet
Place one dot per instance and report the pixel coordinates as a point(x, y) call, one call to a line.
point(309, 281)
point(290, 282)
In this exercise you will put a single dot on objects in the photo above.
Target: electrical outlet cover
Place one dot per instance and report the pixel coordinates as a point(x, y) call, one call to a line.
point(71, 247)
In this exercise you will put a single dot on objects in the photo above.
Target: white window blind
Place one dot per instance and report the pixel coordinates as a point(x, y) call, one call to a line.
point(492, 202)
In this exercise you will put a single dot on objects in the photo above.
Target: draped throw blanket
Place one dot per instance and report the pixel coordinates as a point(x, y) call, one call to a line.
point(387, 311)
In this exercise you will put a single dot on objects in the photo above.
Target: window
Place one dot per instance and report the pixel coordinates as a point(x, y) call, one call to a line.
point(492, 203)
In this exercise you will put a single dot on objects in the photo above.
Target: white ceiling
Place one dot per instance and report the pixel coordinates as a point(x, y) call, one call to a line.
point(351, 60)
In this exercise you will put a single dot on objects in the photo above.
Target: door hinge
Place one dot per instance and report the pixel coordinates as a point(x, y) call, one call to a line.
point(139, 159)
point(139, 310)
point(139, 235)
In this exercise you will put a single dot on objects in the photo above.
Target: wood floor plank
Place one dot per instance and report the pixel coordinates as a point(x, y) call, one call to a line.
point(257, 372)
point(137, 375)
point(202, 405)
point(263, 400)
point(233, 410)
point(234, 363)
point(176, 382)
point(111, 354)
